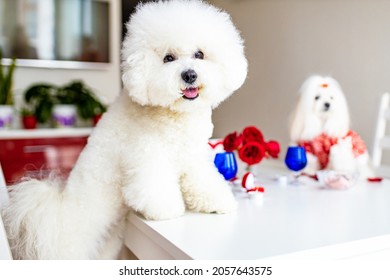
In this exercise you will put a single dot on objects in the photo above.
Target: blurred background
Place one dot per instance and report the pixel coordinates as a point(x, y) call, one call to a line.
point(286, 41)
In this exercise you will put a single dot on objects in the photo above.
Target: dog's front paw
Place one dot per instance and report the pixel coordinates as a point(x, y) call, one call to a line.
point(212, 202)
point(223, 205)
point(163, 211)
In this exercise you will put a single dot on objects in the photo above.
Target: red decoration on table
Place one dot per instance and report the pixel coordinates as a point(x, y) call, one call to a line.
point(232, 141)
point(314, 177)
point(248, 180)
point(214, 145)
point(251, 153)
point(252, 134)
point(375, 179)
point(257, 189)
point(248, 183)
point(251, 145)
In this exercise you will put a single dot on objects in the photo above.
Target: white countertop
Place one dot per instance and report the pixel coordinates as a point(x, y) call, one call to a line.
point(45, 133)
point(291, 219)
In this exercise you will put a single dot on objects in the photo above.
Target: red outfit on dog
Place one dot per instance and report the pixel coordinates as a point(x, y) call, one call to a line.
point(320, 146)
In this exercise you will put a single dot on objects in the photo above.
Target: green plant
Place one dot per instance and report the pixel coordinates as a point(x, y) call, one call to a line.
point(41, 97)
point(6, 96)
point(44, 96)
point(87, 103)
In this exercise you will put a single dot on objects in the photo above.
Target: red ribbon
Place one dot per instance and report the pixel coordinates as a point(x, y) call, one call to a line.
point(375, 179)
point(256, 189)
point(216, 144)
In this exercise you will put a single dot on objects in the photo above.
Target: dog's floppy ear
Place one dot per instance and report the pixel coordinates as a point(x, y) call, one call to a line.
point(231, 58)
point(303, 124)
point(296, 123)
point(235, 63)
point(339, 123)
point(134, 58)
point(235, 74)
point(134, 75)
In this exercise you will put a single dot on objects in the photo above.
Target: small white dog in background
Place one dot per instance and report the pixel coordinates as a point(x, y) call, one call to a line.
point(321, 124)
point(150, 152)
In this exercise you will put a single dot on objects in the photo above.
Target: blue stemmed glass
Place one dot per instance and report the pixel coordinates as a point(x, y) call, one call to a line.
point(226, 164)
point(296, 160)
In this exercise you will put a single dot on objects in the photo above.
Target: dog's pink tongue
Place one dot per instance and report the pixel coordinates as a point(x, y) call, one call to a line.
point(190, 92)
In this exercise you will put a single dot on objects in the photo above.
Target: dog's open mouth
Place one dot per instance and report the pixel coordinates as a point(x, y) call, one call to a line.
point(190, 93)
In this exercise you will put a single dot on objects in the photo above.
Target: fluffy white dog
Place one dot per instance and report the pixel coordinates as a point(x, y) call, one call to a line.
point(321, 124)
point(149, 152)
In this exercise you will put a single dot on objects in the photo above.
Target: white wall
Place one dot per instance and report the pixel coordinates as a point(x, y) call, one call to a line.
point(106, 83)
point(287, 40)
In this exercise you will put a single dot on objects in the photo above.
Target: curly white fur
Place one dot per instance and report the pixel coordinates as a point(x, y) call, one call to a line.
point(322, 108)
point(149, 152)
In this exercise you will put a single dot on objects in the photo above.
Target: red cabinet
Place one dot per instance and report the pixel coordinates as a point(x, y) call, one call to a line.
point(37, 157)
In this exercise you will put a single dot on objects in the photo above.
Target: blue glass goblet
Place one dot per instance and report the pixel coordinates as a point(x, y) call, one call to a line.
point(296, 160)
point(226, 164)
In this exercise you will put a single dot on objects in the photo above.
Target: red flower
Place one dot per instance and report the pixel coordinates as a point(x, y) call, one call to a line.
point(273, 148)
point(251, 133)
point(250, 145)
point(251, 153)
point(231, 142)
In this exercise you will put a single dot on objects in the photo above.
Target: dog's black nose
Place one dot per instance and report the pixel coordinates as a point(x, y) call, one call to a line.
point(189, 76)
point(326, 106)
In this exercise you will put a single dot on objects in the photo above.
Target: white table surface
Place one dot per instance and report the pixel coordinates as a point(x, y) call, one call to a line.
point(291, 221)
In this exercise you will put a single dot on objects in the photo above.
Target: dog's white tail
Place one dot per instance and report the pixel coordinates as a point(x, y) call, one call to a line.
point(45, 220)
point(48, 220)
point(32, 218)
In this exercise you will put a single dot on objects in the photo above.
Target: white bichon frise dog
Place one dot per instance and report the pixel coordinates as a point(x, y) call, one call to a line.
point(150, 151)
point(321, 124)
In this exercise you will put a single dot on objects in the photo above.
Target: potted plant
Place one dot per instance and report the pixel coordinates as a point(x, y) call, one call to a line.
point(6, 94)
point(88, 106)
point(29, 120)
point(41, 97)
point(62, 103)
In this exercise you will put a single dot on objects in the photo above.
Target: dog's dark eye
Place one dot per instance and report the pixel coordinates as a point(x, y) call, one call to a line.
point(199, 55)
point(169, 58)
point(317, 97)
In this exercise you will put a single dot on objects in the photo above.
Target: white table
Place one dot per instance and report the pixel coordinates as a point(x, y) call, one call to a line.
point(293, 222)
